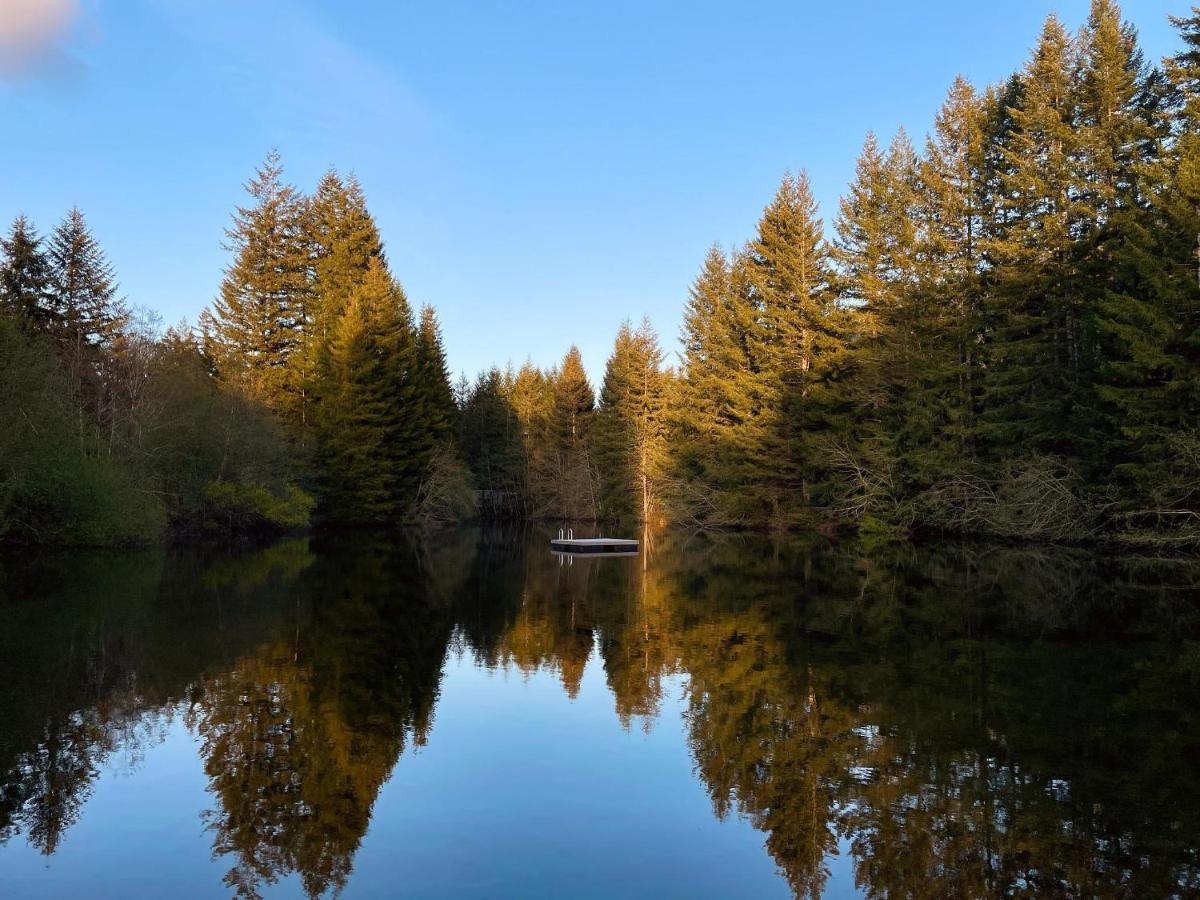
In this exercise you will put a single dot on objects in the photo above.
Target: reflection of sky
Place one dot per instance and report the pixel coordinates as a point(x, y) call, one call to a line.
point(519, 792)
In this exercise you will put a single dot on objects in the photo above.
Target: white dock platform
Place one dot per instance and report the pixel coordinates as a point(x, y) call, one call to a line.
point(606, 546)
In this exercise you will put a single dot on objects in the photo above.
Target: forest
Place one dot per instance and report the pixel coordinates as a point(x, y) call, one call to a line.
point(998, 334)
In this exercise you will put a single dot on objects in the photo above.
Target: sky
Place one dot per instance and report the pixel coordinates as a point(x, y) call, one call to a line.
point(540, 170)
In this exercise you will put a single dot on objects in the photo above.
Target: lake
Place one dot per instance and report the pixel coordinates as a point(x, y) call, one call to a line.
point(467, 715)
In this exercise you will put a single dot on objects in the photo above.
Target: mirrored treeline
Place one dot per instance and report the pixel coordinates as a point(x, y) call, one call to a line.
point(966, 719)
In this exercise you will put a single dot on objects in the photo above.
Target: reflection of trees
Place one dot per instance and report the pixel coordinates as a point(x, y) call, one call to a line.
point(95, 650)
point(299, 737)
point(971, 722)
point(966, 721)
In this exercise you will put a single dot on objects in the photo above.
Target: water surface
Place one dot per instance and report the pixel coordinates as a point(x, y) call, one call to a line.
point(467, 715)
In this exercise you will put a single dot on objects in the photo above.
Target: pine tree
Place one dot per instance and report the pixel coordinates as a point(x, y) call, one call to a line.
point(25, 286)
point(344, 240)
point(84, 286)
point(570, 426)
point(255, 325)
point(797, 348)
point(629, 436)
point(893, 327)
point(373, 442)
point(491, 441)
point(1112, 126)
point(1183, 72)
point(1035, 361)
point(952, 221)
point(433, 377)
point(88, 335)
point(1149, 315)
point(714, 418)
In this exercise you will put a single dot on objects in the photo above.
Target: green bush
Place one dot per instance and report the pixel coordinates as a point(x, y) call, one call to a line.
point(239, 508)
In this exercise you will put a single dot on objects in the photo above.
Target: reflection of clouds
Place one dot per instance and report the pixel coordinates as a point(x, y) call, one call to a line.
point(30, 36)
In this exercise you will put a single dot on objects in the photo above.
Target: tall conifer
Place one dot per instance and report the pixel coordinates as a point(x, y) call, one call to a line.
point(25, 282)
point(630, 431)
point(797, 346)
point(256, 323)
point(1035, 358)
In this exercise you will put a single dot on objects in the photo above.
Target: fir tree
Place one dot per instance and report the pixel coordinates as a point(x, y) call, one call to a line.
point(715, 409)
point(255, 325)
point(876, 249)
point(344, 239)
point(437, 396)
point(797, 347)
point(25, 278)
point(569, 430)
point(372, 442)
point(1035, 361)
point(630, 430)
point(84, 286)
point(1112, 129)
point(952, 221)
point(1183, 72)
point(1148, 279)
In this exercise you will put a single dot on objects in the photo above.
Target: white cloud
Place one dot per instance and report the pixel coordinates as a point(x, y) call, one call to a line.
point(31, 34)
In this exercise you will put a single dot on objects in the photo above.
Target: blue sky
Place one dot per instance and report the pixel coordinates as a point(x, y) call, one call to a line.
point(540, 170)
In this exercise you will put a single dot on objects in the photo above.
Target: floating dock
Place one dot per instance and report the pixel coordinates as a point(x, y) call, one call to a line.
point(600, 545)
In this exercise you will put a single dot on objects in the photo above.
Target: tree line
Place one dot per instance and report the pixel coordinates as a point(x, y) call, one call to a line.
point(998, 335)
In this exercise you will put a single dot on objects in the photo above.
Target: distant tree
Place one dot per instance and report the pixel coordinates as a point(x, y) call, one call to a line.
point(491, 440)
point(630, 432)
point(84, 290)
point(25, 278)
point(714, 414)
point(83, 285)
point(572, 474)
point(433, 376)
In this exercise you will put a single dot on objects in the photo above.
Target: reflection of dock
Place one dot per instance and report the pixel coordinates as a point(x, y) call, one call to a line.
point(600, 546)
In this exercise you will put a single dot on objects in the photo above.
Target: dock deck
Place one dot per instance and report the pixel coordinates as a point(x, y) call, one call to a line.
point(609, 546)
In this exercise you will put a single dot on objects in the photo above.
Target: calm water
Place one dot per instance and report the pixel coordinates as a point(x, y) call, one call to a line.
point(466, 716)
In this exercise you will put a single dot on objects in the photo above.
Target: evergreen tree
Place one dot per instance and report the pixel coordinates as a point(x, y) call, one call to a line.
point(344, 239)
point(84, 286)
point(90, 317)
point(437, 397)
point(630, 432)
point(372, 441)
point(797, 347)
point(1112, 128)
point(25, 285)
point(1033, 395)
point(569, 432)
point(893, 325)
point(952, 221)
point(1149, 322)
point(255, 325)
point(714, 414)
point(491, 442)
point(1183, 72)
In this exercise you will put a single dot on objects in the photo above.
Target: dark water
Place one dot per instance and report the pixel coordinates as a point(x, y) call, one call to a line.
point(465, 716)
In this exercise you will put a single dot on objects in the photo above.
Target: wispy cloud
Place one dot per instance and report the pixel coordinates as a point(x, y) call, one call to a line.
point(32, 36)
point(279, 58)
